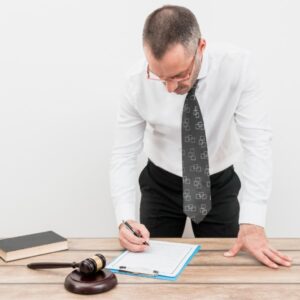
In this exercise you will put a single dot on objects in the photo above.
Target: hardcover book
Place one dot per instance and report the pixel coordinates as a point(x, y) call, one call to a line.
point(31, 245)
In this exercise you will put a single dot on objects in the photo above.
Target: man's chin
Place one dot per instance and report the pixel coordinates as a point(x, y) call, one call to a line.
point(181, 91)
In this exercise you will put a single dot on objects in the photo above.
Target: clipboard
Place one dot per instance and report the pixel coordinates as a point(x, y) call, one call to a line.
point(162, 260)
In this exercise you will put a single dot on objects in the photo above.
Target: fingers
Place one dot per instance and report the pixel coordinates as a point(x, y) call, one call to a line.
point(283, 256)
point(144, 232)
point(276, 258)
point(129, 236)
point(132, 247)
point(265, 260)
point(234, 250)
point(132, 242)
point(139, 228)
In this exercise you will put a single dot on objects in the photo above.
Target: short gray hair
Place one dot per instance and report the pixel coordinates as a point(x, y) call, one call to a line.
point(168, 26)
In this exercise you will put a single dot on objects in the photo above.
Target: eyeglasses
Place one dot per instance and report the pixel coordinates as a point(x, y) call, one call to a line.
point(176, 78)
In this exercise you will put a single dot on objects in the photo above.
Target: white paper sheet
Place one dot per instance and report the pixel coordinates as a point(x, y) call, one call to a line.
point(167, 258)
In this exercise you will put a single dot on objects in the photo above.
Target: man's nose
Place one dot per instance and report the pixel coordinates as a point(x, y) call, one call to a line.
point(171, 86)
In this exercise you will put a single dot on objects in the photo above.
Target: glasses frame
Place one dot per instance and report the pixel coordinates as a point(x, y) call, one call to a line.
point(186, 77)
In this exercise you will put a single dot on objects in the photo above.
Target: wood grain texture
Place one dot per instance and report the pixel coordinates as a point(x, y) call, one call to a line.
point(202, 258)
point(206, 243)
point(209, 275)
point(191, 274)
point(160, 292)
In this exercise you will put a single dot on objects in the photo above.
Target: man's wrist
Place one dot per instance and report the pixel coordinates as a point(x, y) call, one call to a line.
point(249, 224)
point(246, 229)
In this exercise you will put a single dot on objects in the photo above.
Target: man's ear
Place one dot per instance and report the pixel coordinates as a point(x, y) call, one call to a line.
point(202, 45)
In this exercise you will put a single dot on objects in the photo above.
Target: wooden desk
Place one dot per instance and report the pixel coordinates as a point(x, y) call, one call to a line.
point(209, 275)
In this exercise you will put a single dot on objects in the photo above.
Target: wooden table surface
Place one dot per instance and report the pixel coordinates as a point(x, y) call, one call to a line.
point(209, 275)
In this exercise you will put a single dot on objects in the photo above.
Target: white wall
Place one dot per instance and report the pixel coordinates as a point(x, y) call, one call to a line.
point(61, 67)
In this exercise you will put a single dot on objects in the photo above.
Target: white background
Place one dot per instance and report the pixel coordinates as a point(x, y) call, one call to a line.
point(62, 64)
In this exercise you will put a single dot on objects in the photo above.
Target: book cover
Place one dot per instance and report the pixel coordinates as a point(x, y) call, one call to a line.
point(31, 245)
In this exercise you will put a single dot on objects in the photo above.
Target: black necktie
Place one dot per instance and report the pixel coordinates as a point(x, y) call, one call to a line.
point(195, 166)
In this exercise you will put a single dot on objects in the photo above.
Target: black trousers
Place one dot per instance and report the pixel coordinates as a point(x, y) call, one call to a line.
point(161, 209)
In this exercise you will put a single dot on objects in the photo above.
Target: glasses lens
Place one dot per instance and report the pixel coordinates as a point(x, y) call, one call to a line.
point(153, 76)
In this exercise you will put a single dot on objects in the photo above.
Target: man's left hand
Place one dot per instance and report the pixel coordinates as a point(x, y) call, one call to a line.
point(252, 239)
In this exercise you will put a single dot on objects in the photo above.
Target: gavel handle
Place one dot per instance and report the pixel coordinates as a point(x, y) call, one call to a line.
point(51, 265)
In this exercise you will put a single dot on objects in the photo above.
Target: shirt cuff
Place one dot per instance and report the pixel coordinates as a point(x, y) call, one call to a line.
point(125, 211)
point(253, 213)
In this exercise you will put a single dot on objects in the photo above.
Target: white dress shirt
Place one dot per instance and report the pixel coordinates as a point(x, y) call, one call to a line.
point(235, 118)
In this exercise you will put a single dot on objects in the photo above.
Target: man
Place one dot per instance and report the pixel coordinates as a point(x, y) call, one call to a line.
point(192, 105)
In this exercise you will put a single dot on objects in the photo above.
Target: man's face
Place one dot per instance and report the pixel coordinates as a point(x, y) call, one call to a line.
point(176, 63)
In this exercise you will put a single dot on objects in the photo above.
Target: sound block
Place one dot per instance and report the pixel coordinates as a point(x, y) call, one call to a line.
point(100, 282)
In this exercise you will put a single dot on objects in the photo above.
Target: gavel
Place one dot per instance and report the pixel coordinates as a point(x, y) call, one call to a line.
point(88, 266)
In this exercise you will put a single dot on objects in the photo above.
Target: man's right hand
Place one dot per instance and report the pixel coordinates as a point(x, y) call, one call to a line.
point(129, 241)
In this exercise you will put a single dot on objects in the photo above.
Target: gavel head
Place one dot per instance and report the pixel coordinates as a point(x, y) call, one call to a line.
point(92, 264)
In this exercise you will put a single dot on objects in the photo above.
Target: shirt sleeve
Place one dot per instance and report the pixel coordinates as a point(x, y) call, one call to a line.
point(128, 143)
point(254, 127)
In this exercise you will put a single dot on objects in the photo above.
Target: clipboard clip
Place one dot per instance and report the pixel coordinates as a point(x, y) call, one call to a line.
point(137, 271)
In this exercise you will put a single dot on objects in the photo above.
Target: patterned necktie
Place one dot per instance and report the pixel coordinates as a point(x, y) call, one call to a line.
point(195, 166)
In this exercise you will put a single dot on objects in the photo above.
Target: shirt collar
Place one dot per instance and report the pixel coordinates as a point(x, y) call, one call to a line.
point(204, 65)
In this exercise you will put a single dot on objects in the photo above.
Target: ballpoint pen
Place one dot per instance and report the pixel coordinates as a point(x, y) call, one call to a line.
point(134, 232)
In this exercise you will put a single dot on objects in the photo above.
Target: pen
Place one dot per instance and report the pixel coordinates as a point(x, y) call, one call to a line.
point(134, 232)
